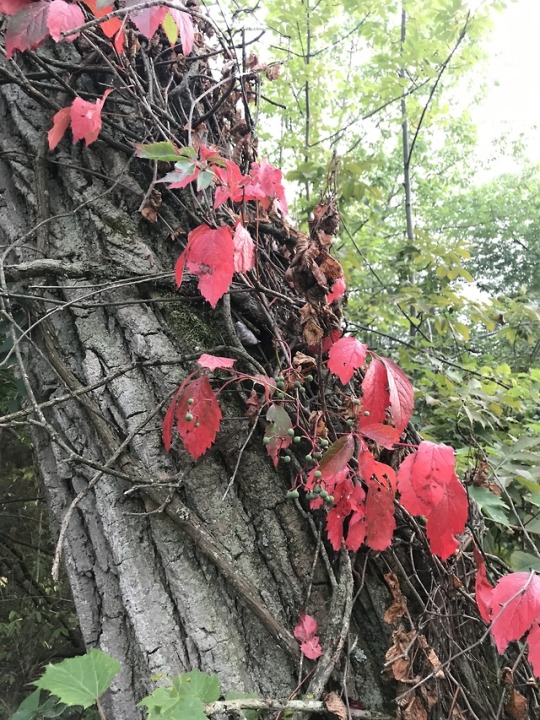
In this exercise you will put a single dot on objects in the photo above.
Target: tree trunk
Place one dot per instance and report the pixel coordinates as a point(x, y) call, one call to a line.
point(172, 566)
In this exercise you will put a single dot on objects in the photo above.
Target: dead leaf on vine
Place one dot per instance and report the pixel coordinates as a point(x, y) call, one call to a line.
point(429, 695)
point(335, 705)
point(398, 656)
point(517, 706)
point(432, 657)
point(253, 406)
point(331, 268)
point(316, 421)
point(398, 608)
point(413, 710)
point(304, 363)
point(313, 332)
point(151, 206)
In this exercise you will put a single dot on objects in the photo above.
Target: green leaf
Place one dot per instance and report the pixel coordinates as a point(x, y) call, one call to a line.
point(198, 684)
point(164, 151)
point(249, 714)
point(205, 179)
point(523, 561)
point(27, 710)
point(491, 505)
point(164, 704)
point(170, 29)
point(81, 680)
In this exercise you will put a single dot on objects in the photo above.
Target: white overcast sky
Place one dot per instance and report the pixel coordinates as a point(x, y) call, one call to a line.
point(512, 104)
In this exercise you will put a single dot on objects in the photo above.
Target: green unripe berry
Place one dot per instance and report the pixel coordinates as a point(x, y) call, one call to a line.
point(302, 390)
point(317, 455)
point(297, 439)
point(317, 489)
point(367, 413)
point(309, 378)
point(290, 432)
point(190, 401)
point(292, 494)
point(188, 416)
point(297, 384)
point(266, 440)
point(280, 380)
point(324, 442)
point(280, 395)
point(317, 474)
point(329, 499)
point(324, 494)
point(196, 423)
point(356, 401)
point(350, 422)
point(286, 459)
point(311, 496)
point(309, 458)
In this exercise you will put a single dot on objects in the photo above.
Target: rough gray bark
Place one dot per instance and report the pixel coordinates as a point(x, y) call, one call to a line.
point(143, 590)
point(168, 571)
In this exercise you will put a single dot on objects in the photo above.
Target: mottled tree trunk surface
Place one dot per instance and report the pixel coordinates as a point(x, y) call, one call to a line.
point(144, 591)
point(172, 566)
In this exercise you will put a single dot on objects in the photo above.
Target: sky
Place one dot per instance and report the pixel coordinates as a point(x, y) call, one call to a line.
point(512, 104)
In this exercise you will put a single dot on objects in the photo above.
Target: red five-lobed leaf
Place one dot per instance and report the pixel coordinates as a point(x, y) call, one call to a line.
point(515, 607)
point(345, 356)
point(214, 362)
point(62, 17)
point(244, 250)
point(209, 255)
point(375, 395)
point(85, 119)
point(428, 486)
point(381, 484)
point(198, 416)
point(306, 634)
point(483, 588)
point(401, 394)
point(533, 641)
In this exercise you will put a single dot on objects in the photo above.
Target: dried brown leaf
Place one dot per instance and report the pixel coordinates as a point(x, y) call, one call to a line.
point(398, 608)
point(517, 706)
point(335, 705)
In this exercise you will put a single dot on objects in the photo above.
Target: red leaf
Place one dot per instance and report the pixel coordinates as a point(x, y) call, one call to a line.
point(184, 23)
point(345, 356)
point(447, 519)
point(306, 628)
point(533, 641)
point(375, 395)
point(337, 456)
point(517, 617)
point(401, 394)
point(62, 17)
point(428, 486)
point(110, 27)
point(147, 20)
point(199, 433)
point(214, 361)
point(306, 634)
point(61, 122)
point(381, 483)
point(356, 534)
point(11, 7)
point(348, 499)
point(422, 476)
point(28, 28)
point(268, 179)
point(483, 588)
point(337, 291)
point(232, 183)
point(209, 255)
point(184, 174)
point(384, 435)
point(278, 424)
point(86, 119)
point(244, 250)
